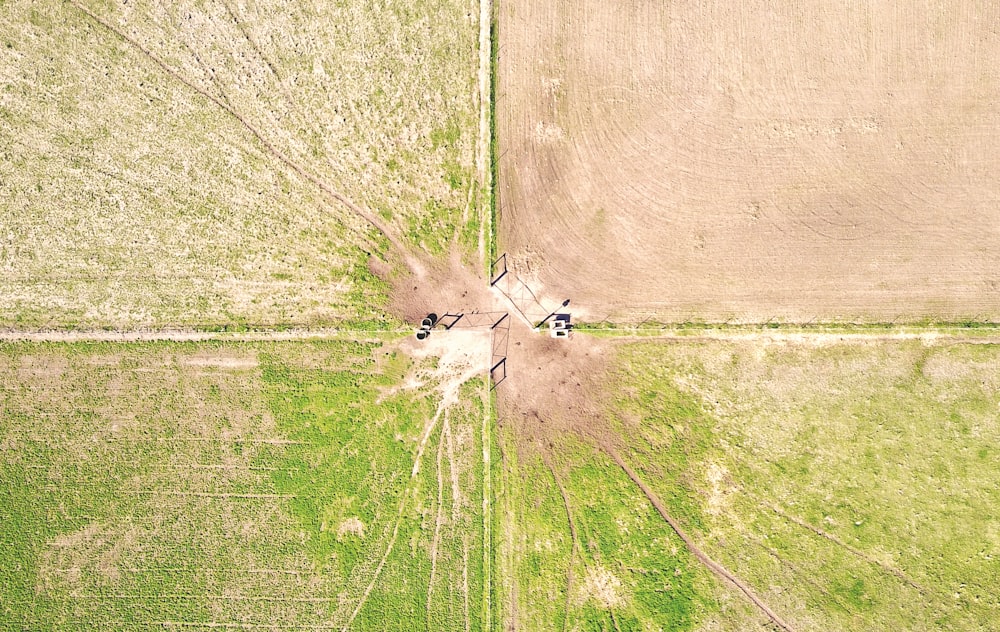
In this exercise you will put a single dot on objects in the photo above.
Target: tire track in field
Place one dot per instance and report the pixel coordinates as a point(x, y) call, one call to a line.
point(414, 266)
point(900, 575)
point(702, 557)
point(574, 551)
point(399, 518)
point(456, 508)
point(454, 372)
point(803, 576)
point(614, 621)
point(456, 497)
point(465, 584)
point(305, 121)
point(437, 517)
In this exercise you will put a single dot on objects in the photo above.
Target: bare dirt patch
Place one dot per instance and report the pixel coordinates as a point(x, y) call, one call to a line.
point(754, 160)
point(447, 286)
point(351, 526)
point(553, 386)
point(603, 587)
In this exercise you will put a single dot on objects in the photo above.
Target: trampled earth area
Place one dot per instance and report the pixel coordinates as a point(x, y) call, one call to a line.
point(752, 161)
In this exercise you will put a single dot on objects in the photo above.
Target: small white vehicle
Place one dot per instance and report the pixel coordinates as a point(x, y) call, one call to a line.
point(559, 326)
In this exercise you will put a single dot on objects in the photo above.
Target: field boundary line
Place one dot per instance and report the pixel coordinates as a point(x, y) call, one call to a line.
point(411, 263)
point(167, 596)
point(929, 336)
point(487, 435)
point(193, 569)
point(484, 143)
point(711, 564)
point(242, 626)
point(156, 492)
point(191, 335)
point(491, 23)
point(926, 333)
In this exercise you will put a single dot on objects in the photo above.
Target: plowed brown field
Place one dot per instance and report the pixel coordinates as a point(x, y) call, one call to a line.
point(754, 160)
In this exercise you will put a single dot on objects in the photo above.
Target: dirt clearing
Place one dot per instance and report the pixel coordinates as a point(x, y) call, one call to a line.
point(753, 161)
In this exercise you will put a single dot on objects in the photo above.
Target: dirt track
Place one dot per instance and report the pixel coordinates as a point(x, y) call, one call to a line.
point(755, 160)
point(702, 557)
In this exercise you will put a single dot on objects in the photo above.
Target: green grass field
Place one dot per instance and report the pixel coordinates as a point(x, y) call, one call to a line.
point(624, 570)
point(197, 485)
point(172, 163)
point(851, 485)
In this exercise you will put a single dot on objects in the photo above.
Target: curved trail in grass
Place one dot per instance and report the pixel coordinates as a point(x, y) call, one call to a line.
point(437, 518)
point(898, 574)
point(702, 557)
point(399, 518)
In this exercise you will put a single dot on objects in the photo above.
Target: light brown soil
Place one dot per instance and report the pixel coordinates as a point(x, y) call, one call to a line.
point(753, 160)
point(553, 387)
point(450, 286)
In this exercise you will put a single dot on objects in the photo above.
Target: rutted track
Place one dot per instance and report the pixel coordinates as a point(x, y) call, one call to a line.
point(702, 557)
point(327, 189)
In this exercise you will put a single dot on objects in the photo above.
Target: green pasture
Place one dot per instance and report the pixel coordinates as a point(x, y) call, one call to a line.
point(851, 485)
point(186, 485)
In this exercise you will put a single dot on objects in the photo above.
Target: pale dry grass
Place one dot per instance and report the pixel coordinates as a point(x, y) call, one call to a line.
point(137, 194)
point(602, 587)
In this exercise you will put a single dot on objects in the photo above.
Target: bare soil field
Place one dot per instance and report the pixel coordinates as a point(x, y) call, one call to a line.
point(755, 160)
